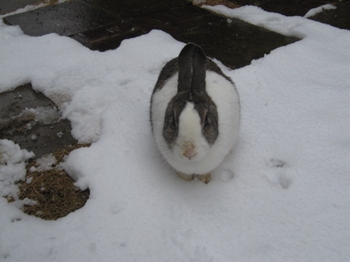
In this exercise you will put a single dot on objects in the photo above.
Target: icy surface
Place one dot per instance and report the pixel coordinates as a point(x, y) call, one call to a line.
point(282, 195)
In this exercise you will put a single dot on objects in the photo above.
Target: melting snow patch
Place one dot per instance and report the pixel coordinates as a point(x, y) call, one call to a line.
point(45, 162)
point(12, 167)
point(44, 114)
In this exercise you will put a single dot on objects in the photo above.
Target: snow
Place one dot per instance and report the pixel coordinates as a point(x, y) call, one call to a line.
point(12, 167)
point(44, 163)
point(281, 195)
point(315, 11)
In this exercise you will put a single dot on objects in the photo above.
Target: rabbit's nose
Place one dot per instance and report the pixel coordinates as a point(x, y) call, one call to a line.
point(189, 150)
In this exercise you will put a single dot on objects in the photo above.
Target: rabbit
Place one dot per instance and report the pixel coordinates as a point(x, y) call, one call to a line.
point(194, 114)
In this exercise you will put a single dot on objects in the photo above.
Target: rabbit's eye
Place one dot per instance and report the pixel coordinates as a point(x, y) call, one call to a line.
point(173, 121)
point(207, 121)
point(171, 124)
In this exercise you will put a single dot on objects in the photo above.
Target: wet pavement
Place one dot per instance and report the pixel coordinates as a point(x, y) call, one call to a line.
point(102, 25)
point(33, 121)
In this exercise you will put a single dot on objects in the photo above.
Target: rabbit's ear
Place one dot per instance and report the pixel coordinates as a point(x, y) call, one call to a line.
point(192, 67)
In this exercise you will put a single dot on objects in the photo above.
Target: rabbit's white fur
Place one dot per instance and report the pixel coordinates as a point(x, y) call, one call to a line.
point(190, 133)
point(226, 98)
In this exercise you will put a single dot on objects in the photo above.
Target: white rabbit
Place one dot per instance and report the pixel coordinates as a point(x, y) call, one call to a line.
point(195, 114)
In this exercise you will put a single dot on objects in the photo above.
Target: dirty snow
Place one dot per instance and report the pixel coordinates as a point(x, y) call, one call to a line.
point(282, 195)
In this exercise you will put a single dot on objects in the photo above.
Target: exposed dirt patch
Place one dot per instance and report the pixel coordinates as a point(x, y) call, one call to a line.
point(52, 188)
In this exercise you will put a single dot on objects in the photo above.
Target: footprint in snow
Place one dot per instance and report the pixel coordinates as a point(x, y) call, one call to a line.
point(226, 175)
point(277, 173)
point(116, 208)
point(276, 163)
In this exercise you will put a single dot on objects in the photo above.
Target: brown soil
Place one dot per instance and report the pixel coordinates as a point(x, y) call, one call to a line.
point(53, 189)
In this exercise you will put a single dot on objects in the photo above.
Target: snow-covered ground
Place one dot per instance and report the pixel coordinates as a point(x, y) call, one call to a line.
point(288, 198)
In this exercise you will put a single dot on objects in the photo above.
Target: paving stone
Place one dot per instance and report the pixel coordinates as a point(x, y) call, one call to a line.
point(66, 19)
point(136, 8)
point(107, 37)
point(32, 120)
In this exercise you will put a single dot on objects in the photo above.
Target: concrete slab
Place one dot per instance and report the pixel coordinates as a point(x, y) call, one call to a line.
point(65, 19)
point(32, 120)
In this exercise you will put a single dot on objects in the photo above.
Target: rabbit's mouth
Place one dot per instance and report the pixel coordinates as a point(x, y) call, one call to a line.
point(189, 155)
point(189, 159)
